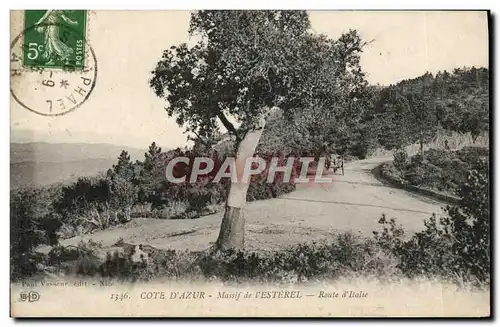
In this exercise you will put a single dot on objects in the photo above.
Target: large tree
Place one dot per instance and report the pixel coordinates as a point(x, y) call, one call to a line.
point(395, 121)
point(408, 114)
point(422, 111)
point(414, 110)
point(247, 65)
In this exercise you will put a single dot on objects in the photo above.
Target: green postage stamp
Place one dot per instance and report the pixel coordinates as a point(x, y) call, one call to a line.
point(54, 39)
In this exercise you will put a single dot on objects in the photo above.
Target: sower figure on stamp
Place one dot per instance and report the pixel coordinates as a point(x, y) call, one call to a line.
point(53, 44)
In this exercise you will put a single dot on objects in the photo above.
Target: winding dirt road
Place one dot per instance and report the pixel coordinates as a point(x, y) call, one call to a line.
point(353, 202)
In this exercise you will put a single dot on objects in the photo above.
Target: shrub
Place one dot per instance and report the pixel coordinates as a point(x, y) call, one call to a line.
point(345, 254)
point(97, 217)
point(118, 265)
point(88, 262)
point(176, 209)
point(363, 149)
point(472, 154)
point(68, 230)
point(389, 171)
point(31, 224)
point(95, 203)
point(80, 260)
point(438, 157)
point(141, 210)
point(441, 170)
point(43, 215)
point(424, 174)
point(400, 160)
point(204, 192)
point(80, 196)
point(456, 246)
point(260, 189)
point(392, 235)
point(123, 195)
point(470, 222)
point(454, 173)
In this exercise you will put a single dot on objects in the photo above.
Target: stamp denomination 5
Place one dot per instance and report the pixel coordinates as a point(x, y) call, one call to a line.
point(53, 68)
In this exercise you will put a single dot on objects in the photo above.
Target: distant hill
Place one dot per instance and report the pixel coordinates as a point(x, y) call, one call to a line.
point(65, 152)
point(36, 164)
point(44, 173)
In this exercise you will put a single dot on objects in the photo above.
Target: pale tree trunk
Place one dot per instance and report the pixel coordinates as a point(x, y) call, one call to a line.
point(232, 230)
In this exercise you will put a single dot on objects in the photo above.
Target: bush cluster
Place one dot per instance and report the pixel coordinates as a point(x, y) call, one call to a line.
point(127, 190)
point(347, 254)
point(439, 170)
point(32, 222)
point(456, 245)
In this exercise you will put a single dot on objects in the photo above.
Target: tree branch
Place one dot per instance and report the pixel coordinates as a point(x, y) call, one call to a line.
point(201, 139)
point(230, 127)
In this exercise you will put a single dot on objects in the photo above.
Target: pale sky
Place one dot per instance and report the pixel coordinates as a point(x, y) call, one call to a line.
point(123, 110)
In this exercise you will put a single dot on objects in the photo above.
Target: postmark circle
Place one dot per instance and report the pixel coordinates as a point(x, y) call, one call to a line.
point(51, 90)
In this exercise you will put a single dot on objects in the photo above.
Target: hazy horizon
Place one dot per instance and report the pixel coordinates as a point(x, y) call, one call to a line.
point(18, 136)
point(124, 111)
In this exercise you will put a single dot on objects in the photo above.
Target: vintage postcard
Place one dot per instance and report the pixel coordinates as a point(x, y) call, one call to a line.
point(249, 163)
